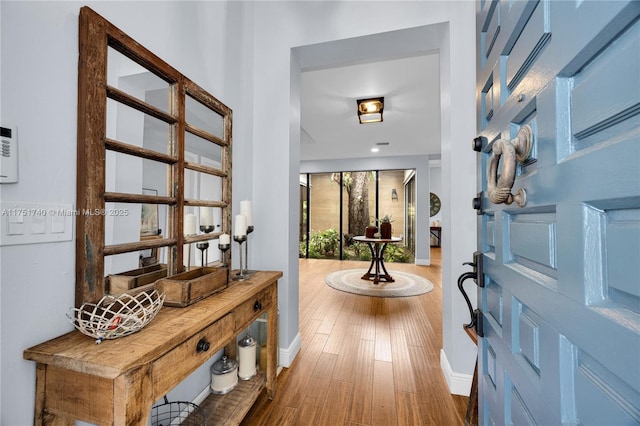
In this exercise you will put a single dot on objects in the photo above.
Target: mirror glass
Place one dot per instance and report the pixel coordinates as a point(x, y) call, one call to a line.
point(202, 221)
point(204, 118)
point(133, 127)
point(131, 174)
point(201, 151)
point(135, 80)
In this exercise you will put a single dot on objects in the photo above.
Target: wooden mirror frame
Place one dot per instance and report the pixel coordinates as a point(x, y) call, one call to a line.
point(96, 35)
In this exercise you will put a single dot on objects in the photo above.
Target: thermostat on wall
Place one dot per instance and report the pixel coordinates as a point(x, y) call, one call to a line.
point(8, 155)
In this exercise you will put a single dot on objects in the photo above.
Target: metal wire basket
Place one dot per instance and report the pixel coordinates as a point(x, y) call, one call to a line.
point(177, 413)
point(114, 317)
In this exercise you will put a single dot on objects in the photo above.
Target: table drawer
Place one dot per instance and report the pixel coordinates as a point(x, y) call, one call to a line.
point(252, 308)
point(173, 367)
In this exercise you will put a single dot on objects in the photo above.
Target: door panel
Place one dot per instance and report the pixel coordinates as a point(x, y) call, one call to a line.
point(561, 302)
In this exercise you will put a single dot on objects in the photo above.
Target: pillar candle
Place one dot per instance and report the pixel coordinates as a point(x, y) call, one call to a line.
point(247, 210)
point(247, 367)
point(241, 225)
point(190, 224)
point(206, 216)
point(224, 239)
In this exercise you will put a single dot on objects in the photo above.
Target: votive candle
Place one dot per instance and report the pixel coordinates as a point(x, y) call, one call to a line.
point(224, 239)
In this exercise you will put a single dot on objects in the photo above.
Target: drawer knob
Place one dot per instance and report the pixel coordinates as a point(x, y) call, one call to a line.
point(203, 345)
point(257, 306)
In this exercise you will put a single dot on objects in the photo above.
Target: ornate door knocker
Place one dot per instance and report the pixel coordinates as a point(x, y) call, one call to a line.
point(518, 149)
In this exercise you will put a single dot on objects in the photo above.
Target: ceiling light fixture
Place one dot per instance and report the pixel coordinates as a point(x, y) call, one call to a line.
point(370, 110)
point(375, 149)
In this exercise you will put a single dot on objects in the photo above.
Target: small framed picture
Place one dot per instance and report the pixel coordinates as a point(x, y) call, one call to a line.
point(149, 216)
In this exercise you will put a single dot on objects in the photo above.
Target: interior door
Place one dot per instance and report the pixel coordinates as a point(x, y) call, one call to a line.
point(561, 299)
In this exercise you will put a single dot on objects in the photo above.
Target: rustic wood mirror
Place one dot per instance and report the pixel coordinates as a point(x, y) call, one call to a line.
point(153, 162)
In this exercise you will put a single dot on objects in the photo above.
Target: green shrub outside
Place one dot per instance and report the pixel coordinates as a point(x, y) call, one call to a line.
point(326, 245)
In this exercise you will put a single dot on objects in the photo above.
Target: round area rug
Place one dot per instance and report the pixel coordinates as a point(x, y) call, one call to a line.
point(405, 284)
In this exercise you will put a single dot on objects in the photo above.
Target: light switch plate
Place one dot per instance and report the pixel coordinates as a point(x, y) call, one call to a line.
point(34, 223)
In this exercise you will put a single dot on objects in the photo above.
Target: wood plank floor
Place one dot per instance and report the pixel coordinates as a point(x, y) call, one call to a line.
point(364, 360)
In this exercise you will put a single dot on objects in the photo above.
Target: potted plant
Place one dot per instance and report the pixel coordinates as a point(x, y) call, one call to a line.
point(385, 227)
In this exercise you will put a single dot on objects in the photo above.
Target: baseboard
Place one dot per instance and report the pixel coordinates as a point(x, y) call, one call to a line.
point(287, 355)
point(459, 384)
point(423, 262)
point(202, 396)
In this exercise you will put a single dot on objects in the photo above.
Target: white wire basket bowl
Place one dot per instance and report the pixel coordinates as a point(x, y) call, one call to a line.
point(116, 316)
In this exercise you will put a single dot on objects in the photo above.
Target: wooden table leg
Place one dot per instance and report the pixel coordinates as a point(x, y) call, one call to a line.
point(133, 396)
point(272, 348)
point(386, 276)
point(368, 274)
point(41, 372)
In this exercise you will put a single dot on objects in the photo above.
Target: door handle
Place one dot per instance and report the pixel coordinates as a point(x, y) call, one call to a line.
point(478, 277)
point(510, 152)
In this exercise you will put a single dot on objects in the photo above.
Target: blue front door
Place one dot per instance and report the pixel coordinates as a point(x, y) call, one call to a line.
point(559, 220)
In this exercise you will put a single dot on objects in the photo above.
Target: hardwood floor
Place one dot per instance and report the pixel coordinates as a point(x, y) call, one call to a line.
point(364, 360)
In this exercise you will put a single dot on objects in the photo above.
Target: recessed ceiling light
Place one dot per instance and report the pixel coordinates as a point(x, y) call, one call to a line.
point(375, 149)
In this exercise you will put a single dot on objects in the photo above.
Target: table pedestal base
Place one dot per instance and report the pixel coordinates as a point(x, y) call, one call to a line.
point(377, 264)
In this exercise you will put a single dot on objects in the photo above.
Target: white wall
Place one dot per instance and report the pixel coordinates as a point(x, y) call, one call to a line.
point(457, 71)
point(204, 40)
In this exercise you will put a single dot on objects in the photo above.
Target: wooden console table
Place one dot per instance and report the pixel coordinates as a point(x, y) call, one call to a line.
point(117, 381)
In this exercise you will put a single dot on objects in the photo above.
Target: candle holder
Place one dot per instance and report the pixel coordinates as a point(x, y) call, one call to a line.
point(223, 248)
point(188, 255)
point(241, 275)
point(207, 229)
point(203, 247)
point(246, 252)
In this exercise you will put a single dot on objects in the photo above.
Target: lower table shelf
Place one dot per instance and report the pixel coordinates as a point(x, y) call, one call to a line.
point(229, 409)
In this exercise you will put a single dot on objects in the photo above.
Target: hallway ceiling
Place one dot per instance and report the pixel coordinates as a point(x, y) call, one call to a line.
point(411, 126)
